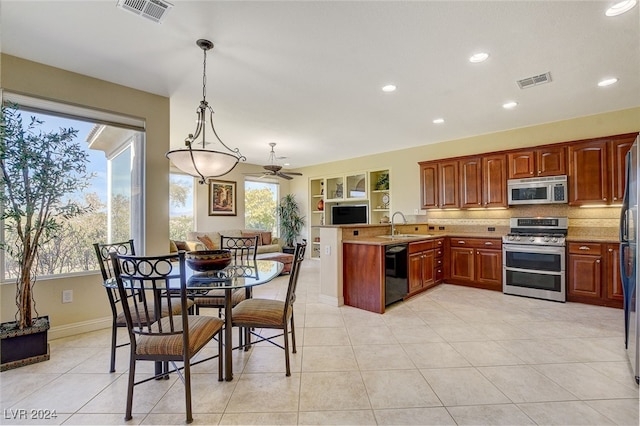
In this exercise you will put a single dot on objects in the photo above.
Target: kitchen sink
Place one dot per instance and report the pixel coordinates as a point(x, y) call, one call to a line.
point(405, 236)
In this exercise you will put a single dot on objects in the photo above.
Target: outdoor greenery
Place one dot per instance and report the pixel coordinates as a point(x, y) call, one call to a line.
point(38, 172)
point(178, 195)
point(260, 209)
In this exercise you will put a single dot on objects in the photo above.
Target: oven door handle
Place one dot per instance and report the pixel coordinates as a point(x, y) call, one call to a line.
point(533, 271)
point(533, 249)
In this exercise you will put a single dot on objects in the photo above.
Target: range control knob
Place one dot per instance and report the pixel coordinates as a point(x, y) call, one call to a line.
point(532, 239)
point(546, 239)
point(510, 237)
point(555, 239)
point(518, 238)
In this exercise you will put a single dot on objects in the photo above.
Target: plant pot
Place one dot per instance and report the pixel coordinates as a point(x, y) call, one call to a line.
point(23, 347)
point(289, 250)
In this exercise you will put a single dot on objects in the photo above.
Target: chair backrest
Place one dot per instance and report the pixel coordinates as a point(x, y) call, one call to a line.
point(149, 276)
point(298, 257)
point(242, 248)
point(102, 253)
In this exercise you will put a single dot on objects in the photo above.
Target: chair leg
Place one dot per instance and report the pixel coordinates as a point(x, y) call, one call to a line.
point(132, 376)
point(286, 349)
point(220, 354)
point(114, 339)
point(187, 389)
point(293, 334)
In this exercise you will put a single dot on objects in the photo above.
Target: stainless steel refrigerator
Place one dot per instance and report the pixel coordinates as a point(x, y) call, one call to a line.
point(629, 259)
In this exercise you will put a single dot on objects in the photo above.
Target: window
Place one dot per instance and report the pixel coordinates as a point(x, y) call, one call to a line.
point(114, 192)
point(260, 201)
point(180, 206)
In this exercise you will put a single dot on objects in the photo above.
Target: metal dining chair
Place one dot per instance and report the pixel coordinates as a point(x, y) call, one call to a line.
point(243, 249)
point(253, 314)
point(106, 268)
point(169, 339)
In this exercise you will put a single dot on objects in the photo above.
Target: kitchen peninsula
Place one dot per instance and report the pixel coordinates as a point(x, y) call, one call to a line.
point(355, 262)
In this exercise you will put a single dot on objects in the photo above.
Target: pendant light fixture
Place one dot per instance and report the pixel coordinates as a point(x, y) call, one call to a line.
point(199, 162)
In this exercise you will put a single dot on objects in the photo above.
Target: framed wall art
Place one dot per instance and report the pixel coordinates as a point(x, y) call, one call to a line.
point(222, 198)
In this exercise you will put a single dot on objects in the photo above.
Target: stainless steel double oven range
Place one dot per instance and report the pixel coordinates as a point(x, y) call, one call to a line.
point(533, 258)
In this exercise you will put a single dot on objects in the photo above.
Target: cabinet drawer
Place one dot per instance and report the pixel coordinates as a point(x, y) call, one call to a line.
point(585, 248)
point(477, 243)
point(420, 246)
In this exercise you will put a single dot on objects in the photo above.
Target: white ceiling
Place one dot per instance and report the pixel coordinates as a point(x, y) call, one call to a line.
point(308, 74)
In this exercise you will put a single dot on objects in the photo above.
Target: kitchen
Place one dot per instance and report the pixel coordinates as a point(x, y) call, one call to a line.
point(528, 249)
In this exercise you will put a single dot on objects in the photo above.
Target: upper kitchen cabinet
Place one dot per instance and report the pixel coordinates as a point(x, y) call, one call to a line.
point(597, 170)
point(546, 161)
point(471, 182)
point(618, 154)
point(439, 185)
point(494, 181)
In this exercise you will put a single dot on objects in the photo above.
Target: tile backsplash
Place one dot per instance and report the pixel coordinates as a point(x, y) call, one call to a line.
point(601, 222)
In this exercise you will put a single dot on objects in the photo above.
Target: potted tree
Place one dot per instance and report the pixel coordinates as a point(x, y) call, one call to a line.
point(38, 170)
point(291, 222)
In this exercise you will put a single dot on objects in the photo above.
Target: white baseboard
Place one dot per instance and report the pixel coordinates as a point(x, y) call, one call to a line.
point(79, 328)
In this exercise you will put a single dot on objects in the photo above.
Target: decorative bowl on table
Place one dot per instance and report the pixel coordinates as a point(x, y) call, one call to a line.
point(208, 260)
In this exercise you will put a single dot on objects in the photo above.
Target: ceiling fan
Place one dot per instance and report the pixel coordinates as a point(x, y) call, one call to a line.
point(274, 169)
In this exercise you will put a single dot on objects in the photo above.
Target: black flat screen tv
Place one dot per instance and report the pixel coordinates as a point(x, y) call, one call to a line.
point(345, 215)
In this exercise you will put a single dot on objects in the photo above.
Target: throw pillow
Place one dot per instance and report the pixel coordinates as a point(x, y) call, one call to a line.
point(173, 248)
point(204, 239)
point(182, 245)
point(266, 238)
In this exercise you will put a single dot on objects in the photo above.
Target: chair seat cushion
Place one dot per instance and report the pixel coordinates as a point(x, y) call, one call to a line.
point(259, 312)
point(175, 307)
point(201, 331)
point(215, 298)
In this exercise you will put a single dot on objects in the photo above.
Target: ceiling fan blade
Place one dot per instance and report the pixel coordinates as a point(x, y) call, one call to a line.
point(282, 175)
point(293, 173)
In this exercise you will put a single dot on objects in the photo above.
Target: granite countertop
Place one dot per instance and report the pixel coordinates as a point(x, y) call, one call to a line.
point(380, 240)
point(592, 238)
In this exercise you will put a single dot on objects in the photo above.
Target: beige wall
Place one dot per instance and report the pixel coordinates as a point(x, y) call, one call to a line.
point(403, 164)
point(90, 307)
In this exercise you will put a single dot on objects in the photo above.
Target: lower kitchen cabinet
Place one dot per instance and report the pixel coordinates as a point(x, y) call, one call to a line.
point(476, 262)
point(593, 274)
point(421, 266)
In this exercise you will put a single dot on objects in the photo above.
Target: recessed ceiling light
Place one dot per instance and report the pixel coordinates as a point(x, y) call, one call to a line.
point(438, 121)
point(478, 57)
point(509, 105)
point(621, 7)
point(389, 88)
point(607, 82)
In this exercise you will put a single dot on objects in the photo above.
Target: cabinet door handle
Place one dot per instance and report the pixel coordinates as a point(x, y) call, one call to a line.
point(598, 261)
point(615, 198)
point(488, 243)
point(584, 248)
point(610, 250)
point(471, 252)
point(461, 242)
point(604, 199)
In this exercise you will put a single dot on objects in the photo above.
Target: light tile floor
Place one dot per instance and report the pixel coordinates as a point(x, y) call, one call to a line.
point(453, 355)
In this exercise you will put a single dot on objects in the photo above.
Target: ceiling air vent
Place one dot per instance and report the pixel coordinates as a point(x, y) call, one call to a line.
point(535, 80)
point(155, 10)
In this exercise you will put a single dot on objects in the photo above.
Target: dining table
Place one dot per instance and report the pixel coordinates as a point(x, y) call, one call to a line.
point(239, 274)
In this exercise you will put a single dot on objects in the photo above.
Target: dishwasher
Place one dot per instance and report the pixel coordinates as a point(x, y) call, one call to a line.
point(396, 285)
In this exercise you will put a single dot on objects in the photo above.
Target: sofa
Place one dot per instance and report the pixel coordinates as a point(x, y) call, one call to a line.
point(266, 243)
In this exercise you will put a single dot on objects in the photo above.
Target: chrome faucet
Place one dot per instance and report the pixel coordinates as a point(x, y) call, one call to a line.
point(393, 225)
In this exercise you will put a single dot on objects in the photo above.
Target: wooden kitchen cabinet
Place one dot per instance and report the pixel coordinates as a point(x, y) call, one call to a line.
point(546, 161)
point(494, 181)
point(476, 262)
point(593, 274)
point(471, 182)
point(439, 185)
point(421, 266)
point(597, 170)
point(617, 155)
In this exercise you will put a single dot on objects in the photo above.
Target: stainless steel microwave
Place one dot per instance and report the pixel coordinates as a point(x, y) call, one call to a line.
point(540, 190)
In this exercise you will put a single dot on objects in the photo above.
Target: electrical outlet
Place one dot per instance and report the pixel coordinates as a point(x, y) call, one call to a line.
point(416, 211)
point(327, 250)
point(67, 296)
